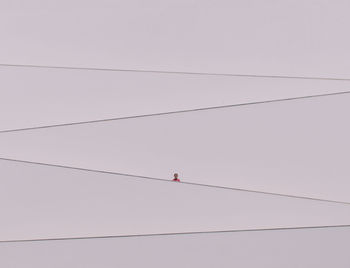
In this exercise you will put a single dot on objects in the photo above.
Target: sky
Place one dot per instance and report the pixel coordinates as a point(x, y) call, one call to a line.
point(56, 96)
point(271, 37)
point(297, 147)
point(262, 162)
point(284, 248)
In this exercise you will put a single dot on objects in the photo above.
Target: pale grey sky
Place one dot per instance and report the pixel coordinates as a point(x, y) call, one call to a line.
point(51, 202)
point(244, 36)
point(54, 96)
point(297, 147)
point(321, 248)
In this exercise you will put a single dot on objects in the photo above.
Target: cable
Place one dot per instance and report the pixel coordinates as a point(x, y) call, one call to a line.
point(177, 112)
point(175, 234)
point(170, 181)
point(172, 72)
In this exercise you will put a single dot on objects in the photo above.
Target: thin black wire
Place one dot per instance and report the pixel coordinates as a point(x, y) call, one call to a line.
point(172, 72)
point(175, 234)
point(170, 181)
point(179, 111)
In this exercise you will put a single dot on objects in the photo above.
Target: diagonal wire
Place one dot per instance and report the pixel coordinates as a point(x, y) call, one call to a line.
point(170, 181)
point(180, 111)
point(175, 234)
point(171, 72)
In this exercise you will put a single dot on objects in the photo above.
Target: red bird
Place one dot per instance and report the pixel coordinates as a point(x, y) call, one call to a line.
point(176, 177)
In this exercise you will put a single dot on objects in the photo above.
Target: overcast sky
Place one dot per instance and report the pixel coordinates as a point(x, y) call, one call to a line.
point(306, 38)
point(296, 147)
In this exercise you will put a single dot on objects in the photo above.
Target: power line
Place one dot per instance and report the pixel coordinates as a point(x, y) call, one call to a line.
point(169, 181)
point(175, 234)
point(178, 112)
point(172, 72)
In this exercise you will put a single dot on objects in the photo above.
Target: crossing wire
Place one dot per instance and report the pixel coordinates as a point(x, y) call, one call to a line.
point(174, 234)
point(179, 111)
point(171, 72)
point(170, 181)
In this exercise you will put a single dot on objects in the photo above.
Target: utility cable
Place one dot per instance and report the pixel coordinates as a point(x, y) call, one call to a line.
point(172, 72)
point(179, 111)
point(175, 234)
point(170, 181)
